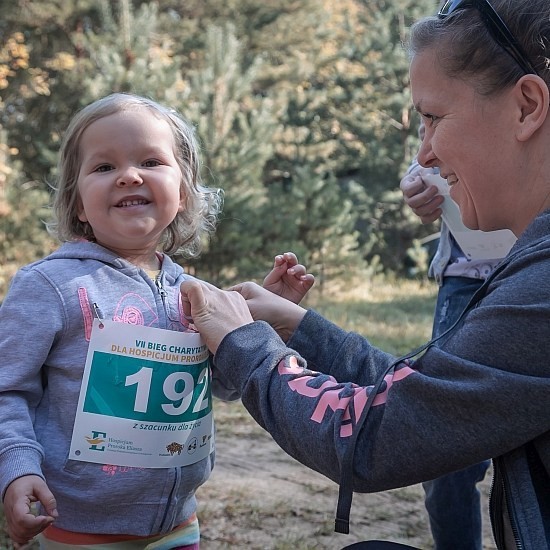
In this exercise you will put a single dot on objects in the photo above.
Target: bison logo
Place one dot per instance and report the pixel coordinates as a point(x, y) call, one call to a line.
point(174, 448)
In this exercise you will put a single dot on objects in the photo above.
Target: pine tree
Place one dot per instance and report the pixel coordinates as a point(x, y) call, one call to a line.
point(317, 216)
point(292, 101)
point(236, 127)
point(350, 115)
point(127, 52)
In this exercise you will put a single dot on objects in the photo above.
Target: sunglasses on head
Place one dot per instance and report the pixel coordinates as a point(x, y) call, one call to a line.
point(496, 26)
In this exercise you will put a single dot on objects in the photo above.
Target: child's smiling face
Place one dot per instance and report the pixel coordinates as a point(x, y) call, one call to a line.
point(129, 183)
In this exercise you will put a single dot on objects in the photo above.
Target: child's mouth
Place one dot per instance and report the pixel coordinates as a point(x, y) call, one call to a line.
point(133, 202)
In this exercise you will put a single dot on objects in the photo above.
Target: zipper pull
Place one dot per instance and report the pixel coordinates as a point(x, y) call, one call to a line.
point(158, 284)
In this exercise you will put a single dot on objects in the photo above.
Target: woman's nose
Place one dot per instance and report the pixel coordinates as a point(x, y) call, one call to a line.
point(129, 176)
point(425, 155)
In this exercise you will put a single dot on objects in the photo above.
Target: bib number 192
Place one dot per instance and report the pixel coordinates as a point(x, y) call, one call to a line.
point(137, 389)
point(178, 386)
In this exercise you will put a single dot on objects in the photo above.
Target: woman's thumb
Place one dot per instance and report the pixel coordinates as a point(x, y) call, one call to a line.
point(192, 297)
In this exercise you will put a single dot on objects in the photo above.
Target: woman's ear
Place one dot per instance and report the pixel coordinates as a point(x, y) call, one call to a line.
point(532, 98)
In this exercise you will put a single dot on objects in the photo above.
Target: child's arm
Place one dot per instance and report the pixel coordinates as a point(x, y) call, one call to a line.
point(23, 525)
point(288, 278)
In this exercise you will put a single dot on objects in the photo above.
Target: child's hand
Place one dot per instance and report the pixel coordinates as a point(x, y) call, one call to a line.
point(424, 200)
point(288, 278)
point(23, 525)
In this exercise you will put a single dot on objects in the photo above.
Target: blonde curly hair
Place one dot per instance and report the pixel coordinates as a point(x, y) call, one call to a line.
point(202, 204)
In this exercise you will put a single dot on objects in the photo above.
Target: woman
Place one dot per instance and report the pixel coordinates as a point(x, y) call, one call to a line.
point(479, 79)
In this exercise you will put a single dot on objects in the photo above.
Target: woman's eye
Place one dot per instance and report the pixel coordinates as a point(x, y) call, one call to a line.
point(430, 119)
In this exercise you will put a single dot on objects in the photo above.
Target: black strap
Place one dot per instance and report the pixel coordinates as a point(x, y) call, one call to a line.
point(345, 492)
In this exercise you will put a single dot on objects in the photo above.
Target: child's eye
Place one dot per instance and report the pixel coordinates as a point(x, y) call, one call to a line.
point(151, 163)
point(104, 168)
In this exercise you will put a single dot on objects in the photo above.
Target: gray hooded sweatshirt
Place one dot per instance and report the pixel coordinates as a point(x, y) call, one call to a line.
point(482, 392)
point(45, 325)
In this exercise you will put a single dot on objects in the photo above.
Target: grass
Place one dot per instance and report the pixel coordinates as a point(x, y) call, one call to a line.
point(395, 315)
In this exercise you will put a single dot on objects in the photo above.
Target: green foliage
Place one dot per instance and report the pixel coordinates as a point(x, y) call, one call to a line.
point(236, 128)
point(22, 211)
point(126, 53)
point(303, 110)
point(419, 257)
point(316, 216)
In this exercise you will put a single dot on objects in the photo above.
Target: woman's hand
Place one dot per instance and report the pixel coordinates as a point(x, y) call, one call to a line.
point(283, 315)
point(214, 312)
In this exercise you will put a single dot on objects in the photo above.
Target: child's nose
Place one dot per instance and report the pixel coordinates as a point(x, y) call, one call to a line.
point(130, 176)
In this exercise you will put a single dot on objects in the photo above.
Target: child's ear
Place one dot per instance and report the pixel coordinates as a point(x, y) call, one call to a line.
point(80, 210)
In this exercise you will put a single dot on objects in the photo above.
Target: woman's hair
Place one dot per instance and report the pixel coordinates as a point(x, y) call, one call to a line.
point(202, 204)
point(466, 49)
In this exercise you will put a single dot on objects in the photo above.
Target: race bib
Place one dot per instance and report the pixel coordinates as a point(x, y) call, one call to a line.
point(145, 399)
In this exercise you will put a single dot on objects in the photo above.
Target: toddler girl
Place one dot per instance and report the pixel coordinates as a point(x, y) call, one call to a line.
point(105, 409)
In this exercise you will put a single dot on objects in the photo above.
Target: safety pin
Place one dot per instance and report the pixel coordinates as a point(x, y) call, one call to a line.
point(98, 315)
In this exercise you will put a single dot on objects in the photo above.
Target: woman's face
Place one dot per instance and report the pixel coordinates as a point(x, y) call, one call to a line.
point(469, 138)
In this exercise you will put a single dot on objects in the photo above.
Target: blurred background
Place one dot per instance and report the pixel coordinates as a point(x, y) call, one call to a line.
point(302, 107)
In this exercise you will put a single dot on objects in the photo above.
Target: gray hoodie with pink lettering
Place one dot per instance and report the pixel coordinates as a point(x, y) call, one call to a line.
point(45, 325)
point(482, 392)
